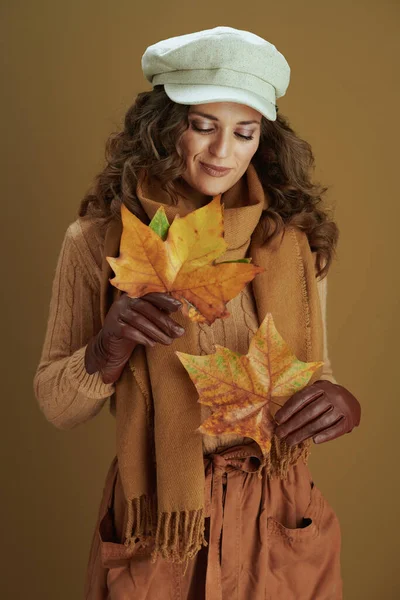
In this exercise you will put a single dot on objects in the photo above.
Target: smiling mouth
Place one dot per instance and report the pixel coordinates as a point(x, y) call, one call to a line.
point(215, 171)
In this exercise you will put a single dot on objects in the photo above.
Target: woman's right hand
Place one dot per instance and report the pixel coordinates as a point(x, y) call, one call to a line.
point(131, 321)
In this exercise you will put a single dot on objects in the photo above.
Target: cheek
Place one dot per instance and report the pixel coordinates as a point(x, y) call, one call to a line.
point(250, 149)
point(192, 145)
point(247, 153)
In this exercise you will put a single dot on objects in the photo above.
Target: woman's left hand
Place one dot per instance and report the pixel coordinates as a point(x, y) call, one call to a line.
point(324, 408)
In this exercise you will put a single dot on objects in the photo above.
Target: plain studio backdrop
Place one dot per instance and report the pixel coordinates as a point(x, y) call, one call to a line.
point(70, 71)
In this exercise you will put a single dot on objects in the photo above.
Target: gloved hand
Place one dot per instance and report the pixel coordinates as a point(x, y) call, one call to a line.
point(324, 408)
point(131, 321)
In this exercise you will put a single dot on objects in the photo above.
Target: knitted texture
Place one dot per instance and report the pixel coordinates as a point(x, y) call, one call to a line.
point(66, 393)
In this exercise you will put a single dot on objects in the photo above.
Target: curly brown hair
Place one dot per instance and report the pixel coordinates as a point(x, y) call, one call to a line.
point(153, 126)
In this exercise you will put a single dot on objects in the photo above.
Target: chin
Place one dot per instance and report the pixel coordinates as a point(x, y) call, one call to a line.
point(212, 188)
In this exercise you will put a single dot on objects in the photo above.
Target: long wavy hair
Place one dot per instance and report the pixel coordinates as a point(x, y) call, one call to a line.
point(153, 126)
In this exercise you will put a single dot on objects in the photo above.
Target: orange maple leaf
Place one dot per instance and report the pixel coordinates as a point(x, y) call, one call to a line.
point(241, 388)
point(184, 264)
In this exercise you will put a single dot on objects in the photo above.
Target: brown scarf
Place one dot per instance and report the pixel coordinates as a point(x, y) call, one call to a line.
point(157, 412)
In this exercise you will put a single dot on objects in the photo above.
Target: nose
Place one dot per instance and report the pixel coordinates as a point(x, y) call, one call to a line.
point(221, 145)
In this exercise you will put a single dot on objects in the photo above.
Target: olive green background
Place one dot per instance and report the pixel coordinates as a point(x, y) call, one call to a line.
point(70, 71)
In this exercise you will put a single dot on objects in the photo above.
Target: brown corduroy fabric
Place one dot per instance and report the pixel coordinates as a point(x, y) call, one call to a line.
point(157, 412)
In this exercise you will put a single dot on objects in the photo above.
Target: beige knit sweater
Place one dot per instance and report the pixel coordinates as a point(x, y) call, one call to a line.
point(66, 393)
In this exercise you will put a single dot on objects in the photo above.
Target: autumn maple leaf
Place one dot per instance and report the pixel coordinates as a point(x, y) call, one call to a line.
point(180, 259)
point(241, 388)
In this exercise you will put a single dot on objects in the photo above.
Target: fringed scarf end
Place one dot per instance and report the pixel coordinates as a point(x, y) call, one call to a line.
point(140, 526)
point(179, 536)
point(281, 457)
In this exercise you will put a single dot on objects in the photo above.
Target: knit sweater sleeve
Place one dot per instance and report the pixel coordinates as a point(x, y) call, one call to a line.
point(66, 393)
point(323, 294)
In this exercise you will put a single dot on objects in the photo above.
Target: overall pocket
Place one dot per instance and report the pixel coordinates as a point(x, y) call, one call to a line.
point(309, 528)
point(304, 562)
point(106, 550)
point(113, 552)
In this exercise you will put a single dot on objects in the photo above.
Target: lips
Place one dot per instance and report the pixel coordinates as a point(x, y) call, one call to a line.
point(213, 169)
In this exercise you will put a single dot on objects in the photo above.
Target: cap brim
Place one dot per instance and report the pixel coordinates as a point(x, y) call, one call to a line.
point(202, 94)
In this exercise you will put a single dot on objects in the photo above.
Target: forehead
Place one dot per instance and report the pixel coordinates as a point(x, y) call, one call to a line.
point(227, 111)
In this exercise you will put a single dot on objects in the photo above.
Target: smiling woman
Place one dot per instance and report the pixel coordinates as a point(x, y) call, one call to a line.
point(154, 132)
point(202, 517)
point(218, 156)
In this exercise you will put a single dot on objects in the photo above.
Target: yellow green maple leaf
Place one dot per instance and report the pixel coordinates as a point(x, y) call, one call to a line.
point(240, 389)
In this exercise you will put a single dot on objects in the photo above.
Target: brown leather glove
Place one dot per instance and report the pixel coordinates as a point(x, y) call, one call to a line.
point(131, 321)
point(324, 408)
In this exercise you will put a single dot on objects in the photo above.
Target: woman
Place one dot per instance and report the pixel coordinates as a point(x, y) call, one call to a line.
point(185, 515)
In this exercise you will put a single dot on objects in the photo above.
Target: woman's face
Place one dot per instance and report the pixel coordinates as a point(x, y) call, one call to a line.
point(217, 136)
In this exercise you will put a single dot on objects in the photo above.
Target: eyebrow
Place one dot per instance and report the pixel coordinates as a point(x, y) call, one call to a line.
point(207, 116)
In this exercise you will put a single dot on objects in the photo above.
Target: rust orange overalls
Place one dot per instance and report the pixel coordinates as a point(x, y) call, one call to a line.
point(268, 539)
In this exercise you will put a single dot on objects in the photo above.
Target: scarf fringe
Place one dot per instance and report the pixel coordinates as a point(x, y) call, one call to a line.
point(281, 457)
point(140, 526)
point(178, 535)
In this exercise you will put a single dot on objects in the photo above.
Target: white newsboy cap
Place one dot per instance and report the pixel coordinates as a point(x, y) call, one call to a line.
point(222, 64)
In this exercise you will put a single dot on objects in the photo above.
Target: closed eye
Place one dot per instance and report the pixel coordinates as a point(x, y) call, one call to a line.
point(245, 137)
